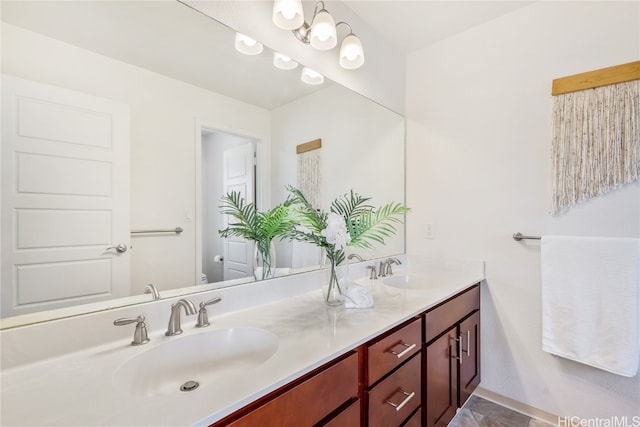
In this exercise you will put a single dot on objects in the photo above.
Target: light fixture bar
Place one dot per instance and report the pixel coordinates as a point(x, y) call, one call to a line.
point(321, 34)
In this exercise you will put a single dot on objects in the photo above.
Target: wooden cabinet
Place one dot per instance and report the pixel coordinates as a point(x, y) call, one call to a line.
point(441, 379)
point(395, 398)
point(390, 350)
point(392, 385)
point(451, 356)
point(349, 417)
point(470, 363)
point(316, 399)
point(415, 420)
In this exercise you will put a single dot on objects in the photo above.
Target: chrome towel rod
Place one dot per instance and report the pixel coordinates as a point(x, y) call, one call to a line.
point(519, 236)
point(176, 230)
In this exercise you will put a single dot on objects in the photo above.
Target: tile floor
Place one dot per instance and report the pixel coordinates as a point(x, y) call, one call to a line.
point(479, 412)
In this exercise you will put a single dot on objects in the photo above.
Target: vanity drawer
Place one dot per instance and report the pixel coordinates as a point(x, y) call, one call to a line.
point(391, 350)
point(309, 402)
point(349, 417)
point(449, 313)
point(415, 420)
point(396, 397)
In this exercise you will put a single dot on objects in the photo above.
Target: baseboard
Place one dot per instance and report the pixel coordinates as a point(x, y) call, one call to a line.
point(531, 411)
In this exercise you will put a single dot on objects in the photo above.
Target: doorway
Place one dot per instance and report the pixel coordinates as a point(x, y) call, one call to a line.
point(227, 163)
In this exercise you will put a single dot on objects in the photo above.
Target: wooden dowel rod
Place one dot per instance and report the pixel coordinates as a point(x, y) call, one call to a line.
point(592, 79)
point(309, 146)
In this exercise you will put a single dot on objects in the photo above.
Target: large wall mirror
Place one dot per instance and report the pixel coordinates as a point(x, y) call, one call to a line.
point(118, 120)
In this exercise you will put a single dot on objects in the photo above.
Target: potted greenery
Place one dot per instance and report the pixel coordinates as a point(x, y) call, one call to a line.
point(349, 222)
point(260, 227)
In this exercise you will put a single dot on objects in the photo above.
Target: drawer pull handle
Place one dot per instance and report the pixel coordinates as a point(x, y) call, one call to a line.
point(407, 398)
point(408, 348)
point(468, 350)
point(459, 346)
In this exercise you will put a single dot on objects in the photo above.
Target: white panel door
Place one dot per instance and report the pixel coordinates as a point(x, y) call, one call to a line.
point(238, 175)
point(65, 197)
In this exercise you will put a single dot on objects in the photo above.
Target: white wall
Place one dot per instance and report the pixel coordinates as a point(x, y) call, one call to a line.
point(381, 78)
point(479, 131)
point(354, 131)
point(163, 136)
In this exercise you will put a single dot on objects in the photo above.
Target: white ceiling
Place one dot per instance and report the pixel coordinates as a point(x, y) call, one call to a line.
point(411, 25)
point(169, 38)
point(166, 37)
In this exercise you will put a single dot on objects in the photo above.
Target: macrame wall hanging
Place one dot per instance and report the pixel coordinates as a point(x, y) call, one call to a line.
point(596, 133)
point(309, 176)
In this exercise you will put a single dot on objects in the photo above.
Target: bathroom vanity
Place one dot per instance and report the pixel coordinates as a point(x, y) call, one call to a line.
point(381, 383)
point(274, 353)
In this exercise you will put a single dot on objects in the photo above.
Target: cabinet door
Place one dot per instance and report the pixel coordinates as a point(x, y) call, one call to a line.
point(441, 376)
point(470, 362)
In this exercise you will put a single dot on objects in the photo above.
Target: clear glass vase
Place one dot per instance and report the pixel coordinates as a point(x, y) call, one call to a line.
point(264, 264)
point(333, 295)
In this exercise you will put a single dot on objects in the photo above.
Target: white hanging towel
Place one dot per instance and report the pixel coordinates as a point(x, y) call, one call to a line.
point(591, 301)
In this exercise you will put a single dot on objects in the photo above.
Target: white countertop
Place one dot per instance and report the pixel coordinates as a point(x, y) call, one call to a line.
point(78, 388)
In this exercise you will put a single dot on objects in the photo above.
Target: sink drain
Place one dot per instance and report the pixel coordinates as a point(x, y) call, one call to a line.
point(189, 386)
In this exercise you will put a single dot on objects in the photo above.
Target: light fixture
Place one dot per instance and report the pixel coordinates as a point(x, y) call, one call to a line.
point(283, 61)
point(247, 45)
point(288, 14)
point(321, 34)
point(311, 77)
point(351, 52)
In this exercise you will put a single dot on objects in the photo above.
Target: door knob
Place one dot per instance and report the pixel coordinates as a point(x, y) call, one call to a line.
point(119, 248)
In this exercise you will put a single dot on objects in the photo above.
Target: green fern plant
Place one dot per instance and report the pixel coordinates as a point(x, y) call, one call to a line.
point(365, 224)
point(250, 224)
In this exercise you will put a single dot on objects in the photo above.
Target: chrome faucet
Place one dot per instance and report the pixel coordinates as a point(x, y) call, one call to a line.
point(151, 289)
point(373, 275)
point(385, 266)
point(174, 320)
point(356, 256)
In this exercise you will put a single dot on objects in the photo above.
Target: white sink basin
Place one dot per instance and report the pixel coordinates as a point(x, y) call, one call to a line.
point(415, 281)
point(203, 358)
point(406, 281)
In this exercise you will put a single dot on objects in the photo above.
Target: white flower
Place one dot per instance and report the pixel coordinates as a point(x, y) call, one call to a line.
point(336, 231)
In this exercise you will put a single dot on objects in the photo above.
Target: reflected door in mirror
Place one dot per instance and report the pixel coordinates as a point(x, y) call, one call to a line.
point(65, 192)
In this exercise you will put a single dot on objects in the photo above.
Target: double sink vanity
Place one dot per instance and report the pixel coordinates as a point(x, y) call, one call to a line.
point(274, 354)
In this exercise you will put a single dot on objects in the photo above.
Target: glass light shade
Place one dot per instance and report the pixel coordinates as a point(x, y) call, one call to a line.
point(247, 45)
point(323, 31)
point(311, 77)
point(288, 14)
point(283, 61)
point(351, 52)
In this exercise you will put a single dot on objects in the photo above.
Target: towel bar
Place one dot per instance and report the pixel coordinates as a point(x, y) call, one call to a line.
point(519, 236)
point(176, 230)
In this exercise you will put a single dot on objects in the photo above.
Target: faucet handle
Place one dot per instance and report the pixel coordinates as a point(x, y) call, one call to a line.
point(140, 335)
point(203, 316)
point(382, 270)
point(373, 275)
